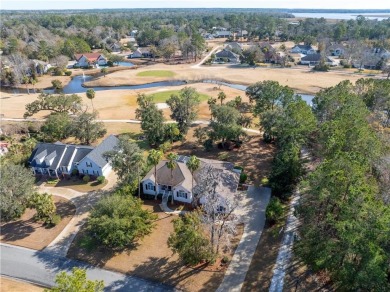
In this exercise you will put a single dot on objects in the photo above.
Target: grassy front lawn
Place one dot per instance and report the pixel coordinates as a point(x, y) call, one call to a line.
point(156, 73)
point(78, 185)
point(164, 95)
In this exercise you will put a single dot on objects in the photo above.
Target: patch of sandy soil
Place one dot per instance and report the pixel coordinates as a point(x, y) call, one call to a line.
point(28, 233)
point(13, 285)
point(153, 259)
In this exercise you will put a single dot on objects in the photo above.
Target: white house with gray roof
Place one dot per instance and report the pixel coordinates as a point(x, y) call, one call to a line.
point(94, 163)
point(179, 184)
point(55, 159)
point(303, 49)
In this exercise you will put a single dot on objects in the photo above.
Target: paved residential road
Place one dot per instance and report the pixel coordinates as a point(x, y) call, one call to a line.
point(41, 267)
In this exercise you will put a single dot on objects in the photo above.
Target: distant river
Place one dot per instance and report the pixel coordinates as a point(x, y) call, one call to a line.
point(345, 16)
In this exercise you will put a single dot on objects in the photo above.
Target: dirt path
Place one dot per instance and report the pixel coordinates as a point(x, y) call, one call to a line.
point(206, 57)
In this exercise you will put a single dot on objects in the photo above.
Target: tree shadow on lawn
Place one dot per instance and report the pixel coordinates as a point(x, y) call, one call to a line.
point(65, 208)
point(17, 230)
point(175, 273)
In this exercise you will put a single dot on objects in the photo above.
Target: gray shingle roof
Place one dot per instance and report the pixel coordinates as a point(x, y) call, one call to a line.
point(305, 47)
point(226, 54)
point(164, 174)
point(107, 144)
point(56, 151)
point(46, 151)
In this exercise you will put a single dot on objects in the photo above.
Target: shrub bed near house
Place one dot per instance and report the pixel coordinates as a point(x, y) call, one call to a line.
point(264, 181)
point(52, 181)
point(101, 179)
point(86, 178)
point(243, 177)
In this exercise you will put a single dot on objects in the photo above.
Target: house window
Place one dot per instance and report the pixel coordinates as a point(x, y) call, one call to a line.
point(182, 194)
point(149, 187)
point(88, 164)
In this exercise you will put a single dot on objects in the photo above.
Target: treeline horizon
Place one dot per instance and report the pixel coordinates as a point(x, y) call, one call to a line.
point(214, 9)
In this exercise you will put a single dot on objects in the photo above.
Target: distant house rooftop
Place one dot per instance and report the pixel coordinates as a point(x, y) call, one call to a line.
point(89, 56)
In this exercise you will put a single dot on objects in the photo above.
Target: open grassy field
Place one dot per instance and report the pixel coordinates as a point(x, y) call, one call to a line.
point(156, 73)
point(162, 96)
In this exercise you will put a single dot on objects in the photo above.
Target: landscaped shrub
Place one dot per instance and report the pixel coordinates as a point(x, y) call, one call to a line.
point(243, 177)
point(86, 178)
point(264, 181)
point(208, 144)
point(68, 73)
point(52, 181)
point(45, 207)
point(274, 210)
point(58, 71)
point(223, 156)
point(321, 68)
point(239, 167)
point(75, 171)
point(101, 179)
point(53, 220)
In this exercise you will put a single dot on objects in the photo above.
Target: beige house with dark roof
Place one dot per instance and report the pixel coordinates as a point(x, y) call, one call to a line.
point(179, 184)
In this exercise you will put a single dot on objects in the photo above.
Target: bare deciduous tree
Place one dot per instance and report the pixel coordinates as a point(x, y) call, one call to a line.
point(19, 64)
point(218, 211)
point(60, 61)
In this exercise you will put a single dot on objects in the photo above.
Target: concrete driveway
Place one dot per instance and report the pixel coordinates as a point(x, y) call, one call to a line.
point(253, 216)
point(41, 267)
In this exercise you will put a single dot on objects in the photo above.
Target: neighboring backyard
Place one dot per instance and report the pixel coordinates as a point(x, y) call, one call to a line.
point(151, 258)
point(28, 233)
point(255, 156)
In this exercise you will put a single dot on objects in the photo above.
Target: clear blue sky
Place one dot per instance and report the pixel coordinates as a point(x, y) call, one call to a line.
point(90, 4)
